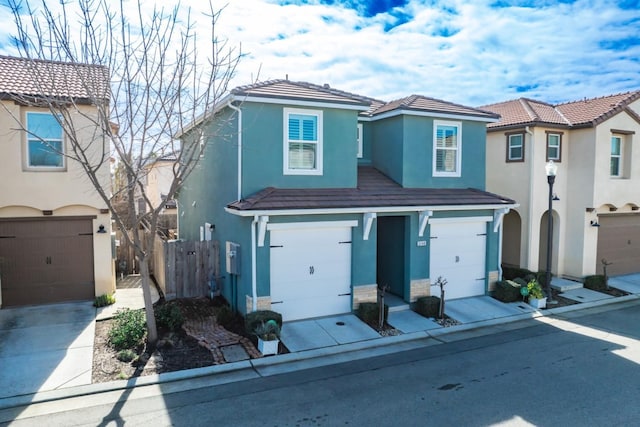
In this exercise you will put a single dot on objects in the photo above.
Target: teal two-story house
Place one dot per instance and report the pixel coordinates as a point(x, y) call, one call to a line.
point(317, 196)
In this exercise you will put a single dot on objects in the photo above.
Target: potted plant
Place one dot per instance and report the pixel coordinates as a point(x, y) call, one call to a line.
point(536, 296)
point(268, 334)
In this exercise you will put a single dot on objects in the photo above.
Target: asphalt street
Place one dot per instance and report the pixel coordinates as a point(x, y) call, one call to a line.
point(580, 369)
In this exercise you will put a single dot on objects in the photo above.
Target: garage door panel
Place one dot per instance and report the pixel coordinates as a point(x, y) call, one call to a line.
point(458, 255)
point(619, 243)
point(46, 261)
point(310, 272)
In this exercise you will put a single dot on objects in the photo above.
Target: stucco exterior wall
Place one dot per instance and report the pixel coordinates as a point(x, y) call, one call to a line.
point(65, 193)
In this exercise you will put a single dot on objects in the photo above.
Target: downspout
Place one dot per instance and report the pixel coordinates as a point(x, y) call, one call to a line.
point(239, 111)
point(254, 283)
point(531, 176)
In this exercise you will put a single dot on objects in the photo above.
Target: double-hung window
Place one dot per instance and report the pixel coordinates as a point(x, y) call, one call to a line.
point(447, 148)
point(515, 147)
point(302, 142)
point(616, 156)
point(554, 146)
point(45, 143)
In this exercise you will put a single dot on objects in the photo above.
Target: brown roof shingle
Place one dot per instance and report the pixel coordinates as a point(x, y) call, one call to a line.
point(286, 89)
point(586, 112)
point(426, 104)
point(66, 80)
point(374, 190)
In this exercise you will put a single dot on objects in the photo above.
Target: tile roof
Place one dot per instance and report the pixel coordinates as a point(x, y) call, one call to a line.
point(374, 190)
point(34, 78)
point(426, 104)
point(286, 89)
point(586, 112)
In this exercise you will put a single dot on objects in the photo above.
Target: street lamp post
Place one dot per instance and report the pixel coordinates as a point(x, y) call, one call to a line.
point(551, 169)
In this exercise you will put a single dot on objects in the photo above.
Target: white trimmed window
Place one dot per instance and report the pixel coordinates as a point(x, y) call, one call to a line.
point(515, 147)
point(45, 143)
point(554, 147)
point(359, 139)
point(447, 148)
point(302, 142)
point(616, 156)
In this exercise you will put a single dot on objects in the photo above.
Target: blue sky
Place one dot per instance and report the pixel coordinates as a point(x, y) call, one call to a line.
point(471, 52)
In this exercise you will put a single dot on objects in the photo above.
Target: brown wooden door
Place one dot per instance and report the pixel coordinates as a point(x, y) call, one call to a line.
point(46, 261)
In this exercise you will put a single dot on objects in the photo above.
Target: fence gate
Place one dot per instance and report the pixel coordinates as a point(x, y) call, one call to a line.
point(185, 269)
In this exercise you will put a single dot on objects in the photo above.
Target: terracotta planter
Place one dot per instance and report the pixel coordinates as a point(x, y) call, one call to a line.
point(268, 347)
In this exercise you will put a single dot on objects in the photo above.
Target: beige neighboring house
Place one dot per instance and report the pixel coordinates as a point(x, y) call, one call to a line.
point(160, 176)
point(55, 230)
point(595, 144)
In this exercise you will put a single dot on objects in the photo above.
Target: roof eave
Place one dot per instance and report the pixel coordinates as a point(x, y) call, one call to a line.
point(368, 209)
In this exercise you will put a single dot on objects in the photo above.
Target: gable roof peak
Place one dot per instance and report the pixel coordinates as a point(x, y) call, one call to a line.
point(288, 89)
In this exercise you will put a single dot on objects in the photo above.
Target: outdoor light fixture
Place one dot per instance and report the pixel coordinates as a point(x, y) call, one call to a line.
point(551, 169)
point(594, 223)
point(101, 229)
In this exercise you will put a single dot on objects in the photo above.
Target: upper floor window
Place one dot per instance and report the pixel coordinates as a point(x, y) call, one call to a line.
point(554, 146)
point(515, 147)
point(302, 142)
point(359, 139)
point(616, 156)
point(447, 148)
point(45, 144)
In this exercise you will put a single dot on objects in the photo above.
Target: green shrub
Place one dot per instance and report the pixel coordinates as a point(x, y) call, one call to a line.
point(224, 315)
point(127, 355)
point(508, 290)
point(169, 316)
point(129, 329)
point(510, 273)
point(595, 282)
point(369, 312)
point(104, 300)
point(256, 318)
point(541, 278)
point(427, 306)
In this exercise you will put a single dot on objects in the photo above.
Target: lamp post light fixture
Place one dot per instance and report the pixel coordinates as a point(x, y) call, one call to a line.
point(551, 169)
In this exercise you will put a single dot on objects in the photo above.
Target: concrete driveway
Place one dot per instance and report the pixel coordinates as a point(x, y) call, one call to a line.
point(46, 347)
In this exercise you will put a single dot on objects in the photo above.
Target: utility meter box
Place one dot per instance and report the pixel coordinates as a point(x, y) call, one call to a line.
point(233, 258)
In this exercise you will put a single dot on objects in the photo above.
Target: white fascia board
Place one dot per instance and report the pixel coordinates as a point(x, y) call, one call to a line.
point(288, 101)
point(457, 220)
point(376, 209)
point(433, 114)
point(217, 107)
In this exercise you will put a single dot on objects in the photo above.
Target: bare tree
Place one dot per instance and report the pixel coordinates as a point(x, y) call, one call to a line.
point(158, 83)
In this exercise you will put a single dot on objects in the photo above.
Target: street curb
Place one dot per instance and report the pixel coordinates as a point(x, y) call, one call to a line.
point(279, 363)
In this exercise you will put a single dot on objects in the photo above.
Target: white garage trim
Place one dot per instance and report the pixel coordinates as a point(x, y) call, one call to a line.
point(311, 224)
point(462, 219)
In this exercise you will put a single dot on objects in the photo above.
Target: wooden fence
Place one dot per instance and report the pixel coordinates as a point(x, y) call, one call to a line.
point(185, 269)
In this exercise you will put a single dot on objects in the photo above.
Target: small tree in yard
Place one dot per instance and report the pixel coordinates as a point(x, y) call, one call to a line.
point(152, 82)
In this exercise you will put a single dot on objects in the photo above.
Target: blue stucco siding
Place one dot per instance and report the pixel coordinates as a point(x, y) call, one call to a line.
point(403, 150)
point(387, 153)
point(263, 145)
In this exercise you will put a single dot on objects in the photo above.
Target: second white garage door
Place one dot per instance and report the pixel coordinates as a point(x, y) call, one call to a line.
point(458, 254)
point(310, 271)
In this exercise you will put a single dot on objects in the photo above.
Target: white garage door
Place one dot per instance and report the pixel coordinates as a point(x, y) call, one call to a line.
point(310, 271)
point(458, 255)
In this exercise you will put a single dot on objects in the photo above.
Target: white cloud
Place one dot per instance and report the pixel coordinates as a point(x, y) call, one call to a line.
point(460, 51)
